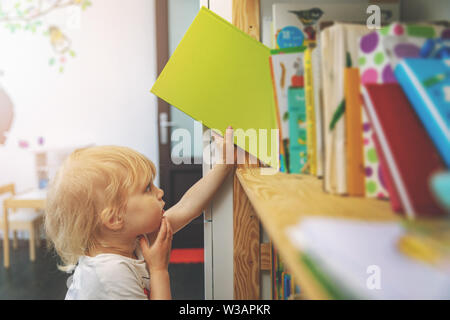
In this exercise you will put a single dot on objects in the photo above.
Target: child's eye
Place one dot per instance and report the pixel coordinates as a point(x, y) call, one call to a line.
point(148, 188)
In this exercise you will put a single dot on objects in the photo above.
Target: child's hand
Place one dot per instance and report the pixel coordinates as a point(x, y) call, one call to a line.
point(227, 152)
point(157, 254)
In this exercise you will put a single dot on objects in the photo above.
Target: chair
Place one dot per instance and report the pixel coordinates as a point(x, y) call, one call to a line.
point(27, 219)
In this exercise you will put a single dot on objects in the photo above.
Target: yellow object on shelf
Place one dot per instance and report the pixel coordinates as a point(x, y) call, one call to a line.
point(418, 248)
point(310, 114)
point(354, 133)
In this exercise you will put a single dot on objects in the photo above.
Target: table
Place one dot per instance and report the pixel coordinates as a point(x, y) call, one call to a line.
point(34, 199)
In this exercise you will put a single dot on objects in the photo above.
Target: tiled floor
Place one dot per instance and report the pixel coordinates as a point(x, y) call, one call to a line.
point(42, 280)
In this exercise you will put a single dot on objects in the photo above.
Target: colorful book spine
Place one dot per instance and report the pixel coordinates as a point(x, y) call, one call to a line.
point(273, 272)
point(286, 67)
point(318, 106)
point(426, 82)
point(278, 277)
point(354, 133)
point(310, 114)
point(298, 157)
point(339, 50)
point(283, 284)
point(282, 149)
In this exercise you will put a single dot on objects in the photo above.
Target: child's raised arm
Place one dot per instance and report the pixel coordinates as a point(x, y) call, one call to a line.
point(200, 194)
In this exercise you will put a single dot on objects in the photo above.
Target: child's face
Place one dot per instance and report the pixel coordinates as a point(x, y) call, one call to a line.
point(144, 210)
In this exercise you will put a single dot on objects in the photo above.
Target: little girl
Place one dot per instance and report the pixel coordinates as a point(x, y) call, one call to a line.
point(101, 206)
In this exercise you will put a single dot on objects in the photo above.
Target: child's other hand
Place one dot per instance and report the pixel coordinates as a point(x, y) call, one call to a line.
point(227, 152)
point(157, 254)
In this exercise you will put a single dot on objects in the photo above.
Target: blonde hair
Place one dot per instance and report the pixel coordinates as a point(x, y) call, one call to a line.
point(92, 185)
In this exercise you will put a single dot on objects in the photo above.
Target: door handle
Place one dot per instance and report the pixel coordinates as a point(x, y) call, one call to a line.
point(163, 125)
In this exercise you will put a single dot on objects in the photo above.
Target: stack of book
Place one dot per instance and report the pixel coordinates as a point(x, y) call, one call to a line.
point(411, 125)
point(371, 112)
point(308, 68)
point(371, 115)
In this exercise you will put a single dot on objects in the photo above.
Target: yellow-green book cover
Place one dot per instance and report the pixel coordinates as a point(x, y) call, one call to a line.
point(220, 76)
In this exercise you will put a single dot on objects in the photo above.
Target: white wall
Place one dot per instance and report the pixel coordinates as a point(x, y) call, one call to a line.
point(419, 10)
point(410, 10)
point(102, 96)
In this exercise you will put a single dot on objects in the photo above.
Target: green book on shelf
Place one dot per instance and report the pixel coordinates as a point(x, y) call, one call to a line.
point(220, 76)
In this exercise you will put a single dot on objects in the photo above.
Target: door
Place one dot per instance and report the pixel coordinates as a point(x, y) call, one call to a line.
point(178, 170)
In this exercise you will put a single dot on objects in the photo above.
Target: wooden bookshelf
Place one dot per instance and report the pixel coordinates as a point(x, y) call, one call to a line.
point(278, 201)
point(282, 200)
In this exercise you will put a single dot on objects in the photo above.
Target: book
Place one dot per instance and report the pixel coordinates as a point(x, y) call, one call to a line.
point(411, 157)
point(287, 71)
point(279, 270)
point(298, 150)
point(386, 177)
point(375, 64)
point(283, 283)
point(274, 269)
point(436, 48)
point(318, 104)
point(220, 76)
point(287, 286)
point(339, 48)
point(398, 48)
point(295, 24)
point(426, 83)
point(354, 133)
point(310, 113)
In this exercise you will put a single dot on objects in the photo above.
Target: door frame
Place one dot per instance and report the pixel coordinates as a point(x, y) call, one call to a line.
point(171, 175)
point(162, 56)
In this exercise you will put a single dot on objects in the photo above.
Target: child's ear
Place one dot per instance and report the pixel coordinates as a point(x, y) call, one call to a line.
point(111, 219)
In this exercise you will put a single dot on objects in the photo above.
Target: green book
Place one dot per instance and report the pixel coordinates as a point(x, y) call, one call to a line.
point(220, 76)
point(297, 129)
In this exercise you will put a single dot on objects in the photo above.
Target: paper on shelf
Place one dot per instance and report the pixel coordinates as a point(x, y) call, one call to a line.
point(353, 252)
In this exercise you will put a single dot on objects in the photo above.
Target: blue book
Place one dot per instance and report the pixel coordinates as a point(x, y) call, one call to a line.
point(426, 83)
point(287, 286)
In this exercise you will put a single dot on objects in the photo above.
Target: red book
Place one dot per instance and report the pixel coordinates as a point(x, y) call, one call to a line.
point(408, 154)
point(393, 195)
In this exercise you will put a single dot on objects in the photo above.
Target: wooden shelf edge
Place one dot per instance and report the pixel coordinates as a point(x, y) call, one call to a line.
point(282, 200)
point(265, 257)
point(305, 278)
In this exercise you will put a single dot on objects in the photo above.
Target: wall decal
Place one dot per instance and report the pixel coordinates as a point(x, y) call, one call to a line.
point(30, 16)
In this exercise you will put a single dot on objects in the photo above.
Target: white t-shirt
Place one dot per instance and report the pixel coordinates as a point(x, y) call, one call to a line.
point(109, 276)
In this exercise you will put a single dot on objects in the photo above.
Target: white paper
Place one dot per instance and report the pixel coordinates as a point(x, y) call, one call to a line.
point(349, 251)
